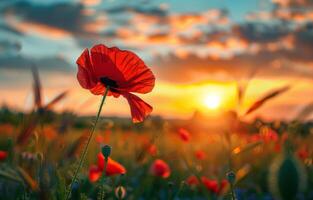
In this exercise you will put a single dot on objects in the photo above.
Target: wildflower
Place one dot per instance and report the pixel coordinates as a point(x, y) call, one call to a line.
point(99, 139)
point(192, 181)
point(184, 134)
point(112, 167)
point(213, 185)
point(200, 155)
point(268, 134)
point(123, 72)
point(160, 168)
point(94, 173)
point(152, 149)
point(3, 155)
point(303, 153)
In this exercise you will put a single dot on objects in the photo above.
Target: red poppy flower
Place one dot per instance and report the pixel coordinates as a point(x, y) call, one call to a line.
point(152, 149)
point(211, 185)
point(120, 70)
point(94, 173)
point(200, 155)
point(303, 153)
point(184, 134)
point(269, 135)
point(192, 181)
point(277, 147)
point(223, 185)
point(112, 168)
point(3, 155)
point(160, 168)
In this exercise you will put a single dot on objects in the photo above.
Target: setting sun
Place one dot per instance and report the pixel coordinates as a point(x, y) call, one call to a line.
point(212, 101)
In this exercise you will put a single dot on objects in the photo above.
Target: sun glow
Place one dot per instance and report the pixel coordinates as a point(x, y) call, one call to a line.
point(212, 101)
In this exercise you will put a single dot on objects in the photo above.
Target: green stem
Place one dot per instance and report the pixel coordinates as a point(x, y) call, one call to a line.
point(82, 159)
point(102, 179)
point(232, 192)
point(179, 190)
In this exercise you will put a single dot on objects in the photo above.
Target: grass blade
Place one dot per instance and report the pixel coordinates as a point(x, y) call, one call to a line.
point(55, 100)
point(37, 88)
point(256, 105)
point(305, 112)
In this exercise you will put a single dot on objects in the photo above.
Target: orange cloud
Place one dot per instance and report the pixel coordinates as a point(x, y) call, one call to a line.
point(41, 29)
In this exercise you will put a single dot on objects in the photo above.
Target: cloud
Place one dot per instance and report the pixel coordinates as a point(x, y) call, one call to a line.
point(9, 47)
point(14, 62)
point(260, 32)
point(192, 68)
point(62, 15)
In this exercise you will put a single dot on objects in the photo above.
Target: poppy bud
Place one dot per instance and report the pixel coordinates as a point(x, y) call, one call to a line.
point(287, 177)
point(106, 151)
point(120, 192)
point(75, 190)
point(75, 186)
point(231, 177)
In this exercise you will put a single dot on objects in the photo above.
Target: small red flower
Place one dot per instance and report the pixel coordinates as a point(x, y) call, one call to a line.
point(112, 168)
point(123, 71)
point(184, 134)
point(269, 135)
point(94, 173)
point(213, 186)
point(277, 147)
point(99, 139)
point(192, 181)
point(160, 168)
point(152, 149)
point(303, 153)
point(223, 185)
point(200, 155)
point(3, 155)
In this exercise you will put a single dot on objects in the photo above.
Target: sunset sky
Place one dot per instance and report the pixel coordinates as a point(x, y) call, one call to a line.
point(199, 51)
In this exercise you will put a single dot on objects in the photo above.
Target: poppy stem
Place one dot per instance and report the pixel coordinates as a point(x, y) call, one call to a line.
point(102, 180)
point(83, 157)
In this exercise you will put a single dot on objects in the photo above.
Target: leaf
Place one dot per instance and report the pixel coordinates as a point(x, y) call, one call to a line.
point(267, 97)
point(36, 88)
point(242, 86)
point(9, 176)
point(27, 130)
point(305, 112)
point(56, 100)
point(242, 172)
point(61, 187)
point(28, 179)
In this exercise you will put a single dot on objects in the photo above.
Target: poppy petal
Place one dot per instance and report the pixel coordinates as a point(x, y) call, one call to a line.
point(85, 73)
point(112, 167)
point(126, 68)
point(3, 155)
point(102, 59)
point(94, 173)
point(139, 109)
point(99, 89)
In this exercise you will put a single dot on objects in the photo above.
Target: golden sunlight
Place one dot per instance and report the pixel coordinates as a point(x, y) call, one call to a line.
point(212, 101)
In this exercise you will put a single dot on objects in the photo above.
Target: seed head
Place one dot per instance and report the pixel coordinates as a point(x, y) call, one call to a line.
point(106, 151)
